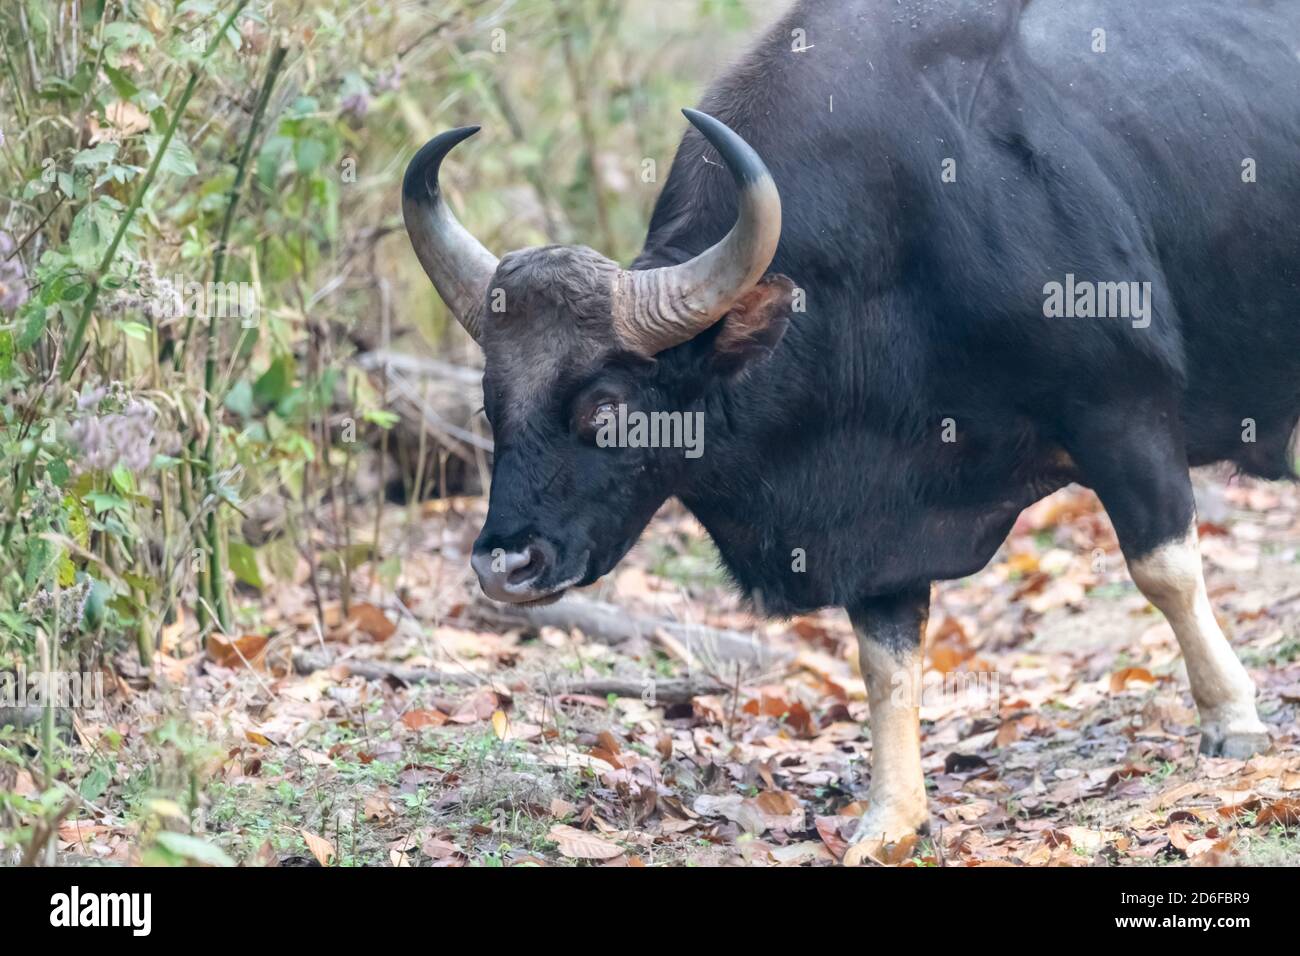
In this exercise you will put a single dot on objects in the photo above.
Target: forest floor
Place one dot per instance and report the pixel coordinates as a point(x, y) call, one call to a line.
point(1064, 734)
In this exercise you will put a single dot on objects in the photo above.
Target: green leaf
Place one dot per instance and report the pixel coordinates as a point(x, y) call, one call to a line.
point(38, 555)
point(240, 399)
point(275, 383)
point(192, 848)
point(124, 35)
point(243, 564)
point(135, 330)
point(124, 480)
point(384, 419)
point(120, 36)
point(308, 154)
point(200, 8)
point(122, 84)
point(270, 156)
point(177, 160)
point(96, 601)
point(117, 173)
point(67, 572)
point(231, 494)
point(33, 328)
point(92, 230)
point(140, 582)
point(104, 501)
point(78, 527)
point(58, 472)
point(390, 571)
point(95, 783)
point(99, 155)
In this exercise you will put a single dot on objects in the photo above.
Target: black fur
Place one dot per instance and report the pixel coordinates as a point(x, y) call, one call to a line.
point(925, 298)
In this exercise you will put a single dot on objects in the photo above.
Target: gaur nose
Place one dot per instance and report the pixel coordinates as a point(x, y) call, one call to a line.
point(512, 576)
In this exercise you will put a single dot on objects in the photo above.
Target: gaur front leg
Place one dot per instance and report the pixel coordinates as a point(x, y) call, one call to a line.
point(890, 633)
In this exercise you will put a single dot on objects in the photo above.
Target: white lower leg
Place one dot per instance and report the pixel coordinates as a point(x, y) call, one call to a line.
point(1170, 577)
point(897, 795)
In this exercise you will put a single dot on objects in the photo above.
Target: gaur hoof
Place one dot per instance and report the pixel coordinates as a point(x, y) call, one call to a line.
point(883, 835)
point(1237, 746)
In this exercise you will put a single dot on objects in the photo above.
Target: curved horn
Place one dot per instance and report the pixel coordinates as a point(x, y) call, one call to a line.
point(655, 309)
point(459, 266)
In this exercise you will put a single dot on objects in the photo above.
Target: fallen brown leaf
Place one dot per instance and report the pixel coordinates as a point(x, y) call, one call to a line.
point(476, 707)
point(580, 845)
point(1283, 813)
point(371, 621)
point(248, 650)
point(415, 719)
point(1122, 678)
point(321, 848)
point(877, 851)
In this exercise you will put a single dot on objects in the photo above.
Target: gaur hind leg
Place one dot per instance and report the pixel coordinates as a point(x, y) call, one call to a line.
point(1134, 459)
point(890, 632)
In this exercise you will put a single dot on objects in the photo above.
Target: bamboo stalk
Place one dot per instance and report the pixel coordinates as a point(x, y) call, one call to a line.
point(216, 544)
point(72, 355)
point(144, 633)
point(45, 654)
point(19, 101)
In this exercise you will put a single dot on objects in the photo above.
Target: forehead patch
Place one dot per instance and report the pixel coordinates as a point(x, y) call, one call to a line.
point(549, 311)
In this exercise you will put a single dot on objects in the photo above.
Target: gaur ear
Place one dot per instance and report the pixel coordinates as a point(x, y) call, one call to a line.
point(754, 325)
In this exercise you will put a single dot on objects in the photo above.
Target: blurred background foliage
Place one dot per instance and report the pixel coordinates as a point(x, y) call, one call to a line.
point(151, 144)
point(580, 103)
point(153, 147)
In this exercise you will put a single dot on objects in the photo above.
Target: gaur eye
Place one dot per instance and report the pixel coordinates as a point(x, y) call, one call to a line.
point(596, 416)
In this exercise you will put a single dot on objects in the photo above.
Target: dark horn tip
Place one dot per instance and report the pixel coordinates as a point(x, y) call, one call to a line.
point(744, 163)
point(421, 180)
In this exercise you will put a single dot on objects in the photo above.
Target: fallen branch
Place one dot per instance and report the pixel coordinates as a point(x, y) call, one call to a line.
point(20, 718)
point(652, 689)
point(424, 368)
point(447, 432)
point(305, 663)
point(431, 396)
point(610, 624)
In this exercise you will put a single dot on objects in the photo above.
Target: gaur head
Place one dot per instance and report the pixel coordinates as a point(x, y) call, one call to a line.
point(572, 341)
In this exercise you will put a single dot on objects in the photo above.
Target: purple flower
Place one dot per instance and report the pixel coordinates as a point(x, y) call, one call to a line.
point(72, 606)
point(118, 438)
point(13, 280)
point(356, 105)
point(91, 398)
point(390, 80)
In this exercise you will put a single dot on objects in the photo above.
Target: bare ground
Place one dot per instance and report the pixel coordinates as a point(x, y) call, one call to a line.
point(1064, 735)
